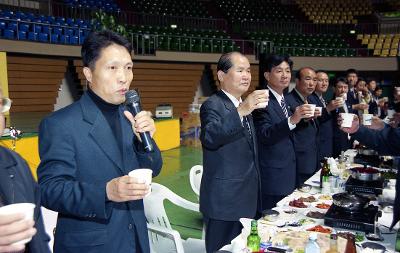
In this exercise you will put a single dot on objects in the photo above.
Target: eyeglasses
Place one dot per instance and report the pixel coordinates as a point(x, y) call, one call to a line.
point(5, 104)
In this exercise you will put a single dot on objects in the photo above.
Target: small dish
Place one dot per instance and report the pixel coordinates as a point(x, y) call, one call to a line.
point(305, 188)
point(270, 215)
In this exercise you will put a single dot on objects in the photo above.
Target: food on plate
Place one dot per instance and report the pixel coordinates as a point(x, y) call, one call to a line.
point(306, 221)
point(359, 236)
point(320, 229)
point(368, 170)
point(315, 215)
point(322, 205)
point(308, 199)
point(389, 175)
point(297, 203)
point(325, 197)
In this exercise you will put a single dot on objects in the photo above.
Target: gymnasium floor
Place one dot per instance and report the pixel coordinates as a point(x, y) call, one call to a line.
point(175, 176)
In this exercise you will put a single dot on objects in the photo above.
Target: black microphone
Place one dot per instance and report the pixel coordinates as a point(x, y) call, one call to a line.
point(133, 103)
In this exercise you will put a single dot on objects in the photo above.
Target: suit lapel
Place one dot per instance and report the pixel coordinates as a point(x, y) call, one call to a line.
point(276, 106)
point(101, 132)
point(7, 162)
point(230, 107)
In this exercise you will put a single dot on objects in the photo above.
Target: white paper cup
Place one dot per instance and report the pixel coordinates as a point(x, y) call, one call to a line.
point(319, 109)
point(390, 113)
point(344, 96)
point(263, 105)
point(312, 108)
point(367, 119)
point(25, 208)
point(340, 100)
point(347, 119)
point(143, 175)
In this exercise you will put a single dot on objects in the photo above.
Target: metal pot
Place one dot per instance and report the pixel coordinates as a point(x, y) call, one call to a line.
point(349, 202)
point(366, 174)
point(367, 152)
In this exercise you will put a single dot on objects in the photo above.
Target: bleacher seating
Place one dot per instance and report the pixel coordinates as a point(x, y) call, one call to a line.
point(257, 10)
point(105, 5)
point(27, 26)
point(303, 44)
point(335, 11)
point(170, 7)
point(382, 45)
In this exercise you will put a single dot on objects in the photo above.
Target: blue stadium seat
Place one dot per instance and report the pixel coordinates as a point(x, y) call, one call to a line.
point(43, 37)
point(54, 38)
point(37, 28)
point(9, 34)
point(2, 24)
point(46, 29)
point(32, 36)
point(68, 31)
point(64, 39)
point(57, 30)
point(22, 35)
point(12, 25)
point(74, 40)
point(24, 27)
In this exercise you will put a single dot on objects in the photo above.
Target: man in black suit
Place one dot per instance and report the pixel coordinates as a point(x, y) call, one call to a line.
point(274, 126)
point(341, 141)
point(230, 183)
point(325, 134)
point(387, 142)
point(352, 96)
point(306, 132)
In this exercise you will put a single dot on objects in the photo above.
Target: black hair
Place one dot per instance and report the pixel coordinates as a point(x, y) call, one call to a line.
point(370, 79)
point(378, 87)
point(321, 71)
point(340, 79)
point(298, 72)
point(351, 71)
point(274, 60)
point(225, 61)
point(360, 79)
point(95, 42)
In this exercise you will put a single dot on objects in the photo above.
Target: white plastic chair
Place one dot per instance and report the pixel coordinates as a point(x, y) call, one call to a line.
point(196, 172)
point(50, 222)
point(164, 239)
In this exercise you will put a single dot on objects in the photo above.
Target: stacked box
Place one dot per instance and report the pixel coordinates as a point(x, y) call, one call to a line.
point(190, 129)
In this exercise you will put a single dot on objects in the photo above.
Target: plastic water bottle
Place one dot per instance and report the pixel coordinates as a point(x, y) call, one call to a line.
point(312, 245)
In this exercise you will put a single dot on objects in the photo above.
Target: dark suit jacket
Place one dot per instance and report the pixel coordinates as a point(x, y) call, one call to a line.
point(230, 183)
point(18, 186)
point(305, 138)
point(325, 133)
point(79, 155)
point(276, 148)
point(341, 141)
point(386, 142)
point(352, 98)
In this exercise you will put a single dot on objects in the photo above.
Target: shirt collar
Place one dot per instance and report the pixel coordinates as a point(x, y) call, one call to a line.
point(301, 96)
point(277, 96)
point(233, 99)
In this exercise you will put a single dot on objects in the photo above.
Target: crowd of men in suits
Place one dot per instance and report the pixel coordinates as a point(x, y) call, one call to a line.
point(253, 154)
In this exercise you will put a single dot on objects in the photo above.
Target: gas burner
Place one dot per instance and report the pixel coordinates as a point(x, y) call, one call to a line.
point(362, 220)
point(369, 187)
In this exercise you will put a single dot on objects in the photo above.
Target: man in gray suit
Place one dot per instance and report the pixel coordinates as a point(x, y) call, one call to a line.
point(231, 183)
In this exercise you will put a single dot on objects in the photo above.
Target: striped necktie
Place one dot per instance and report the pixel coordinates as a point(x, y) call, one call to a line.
point(284, 109)
point(246, 124)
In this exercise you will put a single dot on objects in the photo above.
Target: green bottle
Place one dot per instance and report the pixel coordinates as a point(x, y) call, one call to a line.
point(253, 240)
point(398, 241)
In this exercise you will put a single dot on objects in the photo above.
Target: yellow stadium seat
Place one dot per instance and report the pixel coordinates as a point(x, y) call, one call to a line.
point(378, 45)
point(379, 40)
point(386, 45)
point(371, 45)
point(382, 36)
point(393, 52)
point(385, 52)
point(360, 36)
point(374, 36)
point(377, 52)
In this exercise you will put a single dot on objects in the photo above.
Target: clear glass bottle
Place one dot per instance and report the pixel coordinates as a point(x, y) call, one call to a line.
point(253, 240)
point(312, 245)
point(333, 243)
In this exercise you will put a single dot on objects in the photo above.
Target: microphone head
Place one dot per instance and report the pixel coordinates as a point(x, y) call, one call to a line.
point(131, 96)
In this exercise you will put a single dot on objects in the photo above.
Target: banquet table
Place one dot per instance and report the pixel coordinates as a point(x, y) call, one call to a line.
point(238, 244)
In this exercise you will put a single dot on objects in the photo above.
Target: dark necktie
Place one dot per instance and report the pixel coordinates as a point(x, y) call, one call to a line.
point(284, 109)
point(246, 124)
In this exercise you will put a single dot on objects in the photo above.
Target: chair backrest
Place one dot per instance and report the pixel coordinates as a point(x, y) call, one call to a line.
point(196, 172)
point(157, 217)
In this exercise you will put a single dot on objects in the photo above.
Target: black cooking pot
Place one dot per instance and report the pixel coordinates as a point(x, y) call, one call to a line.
point(350, 202)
